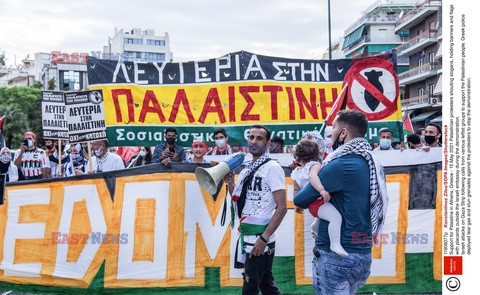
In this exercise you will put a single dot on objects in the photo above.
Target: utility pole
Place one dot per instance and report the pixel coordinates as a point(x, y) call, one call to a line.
point(329, 33)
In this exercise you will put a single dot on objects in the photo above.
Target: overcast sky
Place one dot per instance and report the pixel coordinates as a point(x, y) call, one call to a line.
point(199, 29)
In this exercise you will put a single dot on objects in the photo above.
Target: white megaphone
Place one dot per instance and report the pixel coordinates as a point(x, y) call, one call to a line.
point(209, 178)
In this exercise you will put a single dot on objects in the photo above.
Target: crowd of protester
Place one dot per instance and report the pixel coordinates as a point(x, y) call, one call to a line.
point(59, 159)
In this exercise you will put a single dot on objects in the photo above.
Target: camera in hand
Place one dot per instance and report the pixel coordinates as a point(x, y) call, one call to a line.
point(25, 142)
point(171, 149)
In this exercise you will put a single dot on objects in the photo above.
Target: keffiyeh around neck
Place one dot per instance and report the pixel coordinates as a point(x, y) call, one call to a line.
point(378, 189)
point(241, 179)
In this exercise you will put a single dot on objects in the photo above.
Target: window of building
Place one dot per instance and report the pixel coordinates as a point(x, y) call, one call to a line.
point(420, 61)
point(431, 88)
point(431, 25)
point(128, 55)
point(421, 91)
point(431, 57)
point(70, 80)
point(154, 57)
point(132, 41)
point(156, 42)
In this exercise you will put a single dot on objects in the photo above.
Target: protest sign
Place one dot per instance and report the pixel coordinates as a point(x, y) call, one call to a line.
point(54, 122)
point(85, 115)
point(290, 96)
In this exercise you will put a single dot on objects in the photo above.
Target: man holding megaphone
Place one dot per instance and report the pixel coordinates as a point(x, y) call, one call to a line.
point(260, 202)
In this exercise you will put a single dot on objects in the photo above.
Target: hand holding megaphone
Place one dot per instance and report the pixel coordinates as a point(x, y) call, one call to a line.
point(209, 178)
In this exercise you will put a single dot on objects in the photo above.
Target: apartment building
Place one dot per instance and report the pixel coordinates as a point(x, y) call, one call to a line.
point(139, 45)
point(423, 80)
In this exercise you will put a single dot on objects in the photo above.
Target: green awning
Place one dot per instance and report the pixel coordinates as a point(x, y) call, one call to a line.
point(377, 48)
point(353, 37)
point(424, 116)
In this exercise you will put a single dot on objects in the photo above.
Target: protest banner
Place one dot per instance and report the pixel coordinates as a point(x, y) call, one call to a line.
point(85, 115)
point(290, 96)
point(54, 122)
point(153, 229)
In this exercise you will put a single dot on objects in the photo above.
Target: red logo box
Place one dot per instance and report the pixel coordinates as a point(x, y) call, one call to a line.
point(452, 265)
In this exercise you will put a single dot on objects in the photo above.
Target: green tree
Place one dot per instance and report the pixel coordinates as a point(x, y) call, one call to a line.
point(51, 84)
point(22, 107)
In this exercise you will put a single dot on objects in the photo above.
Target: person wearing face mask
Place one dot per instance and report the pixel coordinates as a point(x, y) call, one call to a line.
point(221, 146)
point(433, 133)
point(79, 159)
point(49, 147)
point(421, 133)
point(7, 167)
point(356, 183)
point(385, 140)
point(103, 160)
point(32, 160)
point(144, 157)
point(169, 151)
point(66, 168)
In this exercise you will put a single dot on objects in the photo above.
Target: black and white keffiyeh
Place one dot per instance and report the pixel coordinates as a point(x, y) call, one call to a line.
point(378, 188)
point(243, 176)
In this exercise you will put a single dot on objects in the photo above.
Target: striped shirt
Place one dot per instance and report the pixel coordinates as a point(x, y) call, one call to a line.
point(33, 161)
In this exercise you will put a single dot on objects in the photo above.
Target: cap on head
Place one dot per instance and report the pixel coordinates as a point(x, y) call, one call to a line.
point(30, 133)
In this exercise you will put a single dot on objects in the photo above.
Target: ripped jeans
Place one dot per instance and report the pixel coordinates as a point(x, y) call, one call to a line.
point(258, 274)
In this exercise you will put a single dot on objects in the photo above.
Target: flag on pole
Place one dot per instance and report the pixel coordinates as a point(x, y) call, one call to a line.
point(2, 139)
point(407, 125)
point(339, 104)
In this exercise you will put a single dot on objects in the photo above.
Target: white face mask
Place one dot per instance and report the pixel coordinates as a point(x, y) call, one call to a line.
point(98, 152)
point(385, 143)
point(5, 158)
point(220, 142)
point(30, 143)
point(142, 154)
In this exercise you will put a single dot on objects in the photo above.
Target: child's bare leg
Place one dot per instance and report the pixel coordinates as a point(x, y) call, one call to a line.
point(329, 213)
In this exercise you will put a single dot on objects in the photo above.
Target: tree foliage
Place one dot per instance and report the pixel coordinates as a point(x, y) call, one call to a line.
point(22, 107)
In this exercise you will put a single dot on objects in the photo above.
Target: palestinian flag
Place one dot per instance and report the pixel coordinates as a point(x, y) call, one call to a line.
point(407, 125)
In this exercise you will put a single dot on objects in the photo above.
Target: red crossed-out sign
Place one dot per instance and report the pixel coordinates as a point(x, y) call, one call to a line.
point(373, 88)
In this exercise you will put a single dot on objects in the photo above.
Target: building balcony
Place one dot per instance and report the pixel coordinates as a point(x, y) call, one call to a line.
point(419, 73)
point(379, 18)
point(418, 43)
point(367, 40)
point(418, 14)
point(421, 101)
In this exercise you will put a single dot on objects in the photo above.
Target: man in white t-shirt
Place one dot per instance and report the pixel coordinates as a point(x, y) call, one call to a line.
point(104, 160)
point(261, 204)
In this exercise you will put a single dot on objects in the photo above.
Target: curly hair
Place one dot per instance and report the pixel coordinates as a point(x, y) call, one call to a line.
point(306, 150)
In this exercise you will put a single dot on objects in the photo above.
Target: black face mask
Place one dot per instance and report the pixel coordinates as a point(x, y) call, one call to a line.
point(337, 142)
point(429, 139)
point(49, 147)
point(170, 140)
point(62, 147)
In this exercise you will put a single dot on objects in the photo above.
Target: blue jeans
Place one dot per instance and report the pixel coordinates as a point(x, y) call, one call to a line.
point(335, 274)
